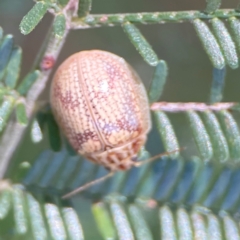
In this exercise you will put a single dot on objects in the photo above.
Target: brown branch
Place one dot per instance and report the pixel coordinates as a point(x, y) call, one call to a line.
point(191, 106)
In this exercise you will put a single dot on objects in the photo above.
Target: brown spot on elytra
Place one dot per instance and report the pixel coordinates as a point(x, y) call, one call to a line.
point(66, 98)
point(112, 73)
point(131, 126)
point(81, 138)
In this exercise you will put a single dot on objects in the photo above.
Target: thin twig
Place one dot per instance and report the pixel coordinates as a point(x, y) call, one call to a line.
point(99, 20)
point(191, 106)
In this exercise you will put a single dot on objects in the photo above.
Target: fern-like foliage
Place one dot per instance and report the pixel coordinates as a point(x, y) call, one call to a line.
point(12, 92)
point(176, 181)
point(179, 196)
point(31, 217)
point(199, 201)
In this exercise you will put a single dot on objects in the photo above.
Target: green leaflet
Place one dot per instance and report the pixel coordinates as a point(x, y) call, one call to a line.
point(21, 114)
point(53, 217)
point(212, 5)
point(84, 7)
point(5, 53)
point(226, 43)
point(199, 226)
point(35, 173)
point(218, 84)
point(5, 202)
point(36, 218)
point(5, 110)
point(20, 215)
point(139, 224)
point(63, 2)
point(231, 228)
point(166, 132)
point(141, 44)
point(218, 140)
point(210, 44)
point(33, 17)
point(72, 223)
point(231, 131)
point(158, 81)
point(3, 93)
point(183, 223)
point(201, 136)
point(121, 221)
point(27, 82)
point(59, 25)
point(21, 171)
point(104, 221)
point(235, 26)
point(36, 132)
point(214, 227)
point(13, 68)
point(167, 230)
point(53, 170)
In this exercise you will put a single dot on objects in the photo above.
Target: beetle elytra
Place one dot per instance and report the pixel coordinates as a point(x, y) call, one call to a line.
point(102, 107)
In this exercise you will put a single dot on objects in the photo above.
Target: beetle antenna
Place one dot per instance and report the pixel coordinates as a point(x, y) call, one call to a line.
point(88, 185)
point(138, 164)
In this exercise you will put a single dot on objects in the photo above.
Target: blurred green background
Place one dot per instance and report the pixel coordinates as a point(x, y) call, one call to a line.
point(190, 71)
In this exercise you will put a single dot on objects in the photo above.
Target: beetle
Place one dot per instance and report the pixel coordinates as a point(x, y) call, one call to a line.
point(101, 105)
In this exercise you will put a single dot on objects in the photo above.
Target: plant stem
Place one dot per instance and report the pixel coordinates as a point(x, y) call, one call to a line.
point(99, 20)
point(191, 106)
point(15, 131)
